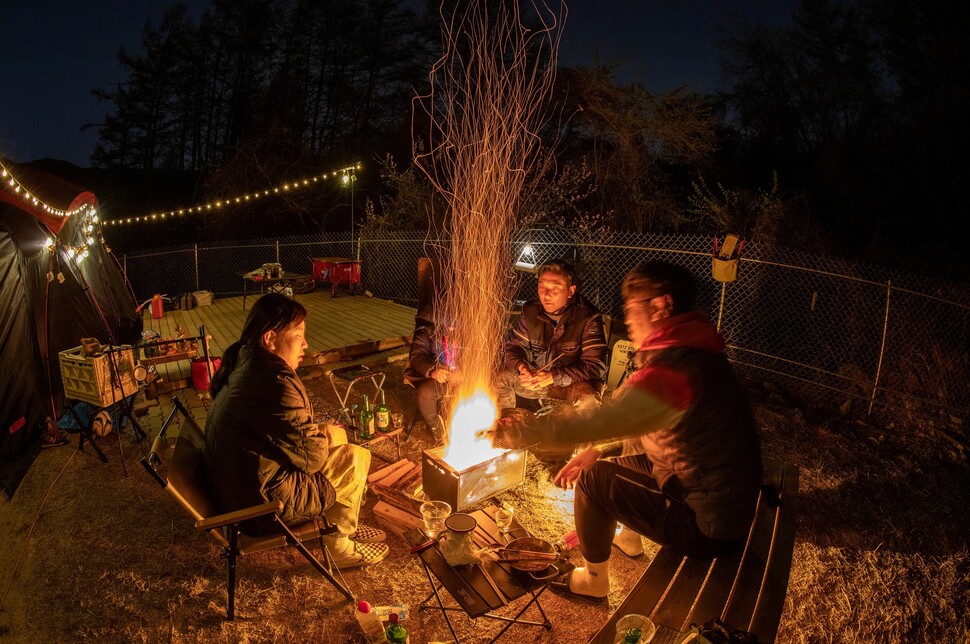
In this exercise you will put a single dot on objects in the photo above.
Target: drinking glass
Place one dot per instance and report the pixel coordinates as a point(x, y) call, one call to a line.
point(434, 514)
point(503, 519)
point(397, 420)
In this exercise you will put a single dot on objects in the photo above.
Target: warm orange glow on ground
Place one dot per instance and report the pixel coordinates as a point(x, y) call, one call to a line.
point(472, 414)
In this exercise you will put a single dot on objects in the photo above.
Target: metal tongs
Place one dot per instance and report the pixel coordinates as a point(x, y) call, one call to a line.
point(514, 555)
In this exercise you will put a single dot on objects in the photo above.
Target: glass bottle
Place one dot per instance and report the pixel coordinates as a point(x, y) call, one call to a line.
point(396, 633)
point(366, 420)
point(382, 415)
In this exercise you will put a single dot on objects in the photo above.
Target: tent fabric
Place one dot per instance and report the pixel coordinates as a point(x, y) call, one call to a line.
point(40, 317)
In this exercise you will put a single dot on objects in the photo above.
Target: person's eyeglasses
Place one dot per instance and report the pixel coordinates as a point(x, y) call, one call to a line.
point(629, 305)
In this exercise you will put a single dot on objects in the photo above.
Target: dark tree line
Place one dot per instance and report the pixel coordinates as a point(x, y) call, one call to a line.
point(319, 77)
point(860, 107)
point(847, 128)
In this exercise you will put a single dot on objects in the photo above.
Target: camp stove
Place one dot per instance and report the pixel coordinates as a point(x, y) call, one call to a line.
point(466, 487)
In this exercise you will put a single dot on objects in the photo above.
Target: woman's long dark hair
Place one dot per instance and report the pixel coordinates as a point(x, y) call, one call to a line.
point(272, 312)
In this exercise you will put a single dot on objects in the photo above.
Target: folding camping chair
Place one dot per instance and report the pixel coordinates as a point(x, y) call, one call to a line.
point(185, 479)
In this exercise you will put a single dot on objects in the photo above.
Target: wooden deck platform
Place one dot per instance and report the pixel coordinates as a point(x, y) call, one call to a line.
point(332, 323)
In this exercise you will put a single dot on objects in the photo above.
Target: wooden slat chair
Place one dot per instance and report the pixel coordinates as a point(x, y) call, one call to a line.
point(185, 479)
point(745, 591)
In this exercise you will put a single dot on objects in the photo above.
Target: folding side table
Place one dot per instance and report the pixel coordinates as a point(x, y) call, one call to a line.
point(484, 587)
point(350, 376)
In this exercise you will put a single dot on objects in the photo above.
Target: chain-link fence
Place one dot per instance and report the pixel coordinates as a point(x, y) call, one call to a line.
point(873, 338)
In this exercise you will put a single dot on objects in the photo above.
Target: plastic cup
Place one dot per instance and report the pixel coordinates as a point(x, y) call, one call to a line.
point(434, 514)
point(642, 622)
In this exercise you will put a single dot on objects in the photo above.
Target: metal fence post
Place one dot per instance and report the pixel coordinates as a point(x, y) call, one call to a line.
point(277, 251)
point(882, 347)
point(197, 286)
point(720, 309)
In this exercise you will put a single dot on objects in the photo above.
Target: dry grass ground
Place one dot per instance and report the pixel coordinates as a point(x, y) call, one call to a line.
point(89, 555)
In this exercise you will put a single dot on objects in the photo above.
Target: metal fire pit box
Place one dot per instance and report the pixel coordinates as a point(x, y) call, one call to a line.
point(442, 482)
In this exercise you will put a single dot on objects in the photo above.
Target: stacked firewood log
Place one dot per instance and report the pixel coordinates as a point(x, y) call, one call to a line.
point(397, 509)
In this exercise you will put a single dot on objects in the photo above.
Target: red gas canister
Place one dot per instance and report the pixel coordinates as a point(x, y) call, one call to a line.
point(158, 307)
point(200, 375)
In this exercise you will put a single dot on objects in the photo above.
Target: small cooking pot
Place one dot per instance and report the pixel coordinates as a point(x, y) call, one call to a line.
point(548, 569)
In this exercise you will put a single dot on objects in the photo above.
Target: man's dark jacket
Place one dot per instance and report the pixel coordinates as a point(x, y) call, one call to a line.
point(427, 352)
point(261, 442)
point(578, 336)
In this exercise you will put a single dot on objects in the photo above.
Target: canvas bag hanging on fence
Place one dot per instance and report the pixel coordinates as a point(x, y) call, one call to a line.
point(724, 261)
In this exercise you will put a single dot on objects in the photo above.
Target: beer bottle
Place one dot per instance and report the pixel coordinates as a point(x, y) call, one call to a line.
point(396, 633)
point(382, 415)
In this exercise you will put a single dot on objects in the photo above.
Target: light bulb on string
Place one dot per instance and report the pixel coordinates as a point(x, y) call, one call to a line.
point(346, 175)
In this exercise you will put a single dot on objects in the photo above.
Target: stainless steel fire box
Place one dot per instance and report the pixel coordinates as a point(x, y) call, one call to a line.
point(442, 482)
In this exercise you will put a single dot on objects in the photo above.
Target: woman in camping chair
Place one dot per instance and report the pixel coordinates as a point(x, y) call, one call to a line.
point(262, 444)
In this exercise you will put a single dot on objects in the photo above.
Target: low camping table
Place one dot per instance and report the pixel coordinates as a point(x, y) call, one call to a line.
point(484, 587)
point(263, 282)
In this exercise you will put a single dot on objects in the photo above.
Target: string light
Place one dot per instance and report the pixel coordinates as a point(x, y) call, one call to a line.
point(346, 174)
point(86, 232)
point(86, 228)
point(10, 183)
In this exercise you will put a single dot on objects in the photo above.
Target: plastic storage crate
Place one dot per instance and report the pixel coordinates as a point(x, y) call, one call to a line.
point(92, 379)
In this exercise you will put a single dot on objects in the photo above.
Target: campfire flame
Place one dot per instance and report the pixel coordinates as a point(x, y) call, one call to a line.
point(477, 141)
point(472, 414)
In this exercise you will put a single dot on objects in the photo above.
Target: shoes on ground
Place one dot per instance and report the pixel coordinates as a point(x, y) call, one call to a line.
point(561, 587)
point(367, 534)
point(362, 554)
point(54, 436)
point(53, 440)
point(629, 543)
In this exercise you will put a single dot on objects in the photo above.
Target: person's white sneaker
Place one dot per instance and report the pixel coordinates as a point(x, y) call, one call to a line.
point(628, 543)
point(362, 554)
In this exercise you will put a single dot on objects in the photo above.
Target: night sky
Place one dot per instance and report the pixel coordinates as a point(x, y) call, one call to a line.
point(52, 54)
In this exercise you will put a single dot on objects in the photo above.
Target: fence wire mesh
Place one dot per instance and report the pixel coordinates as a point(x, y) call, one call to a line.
point(837, 328)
